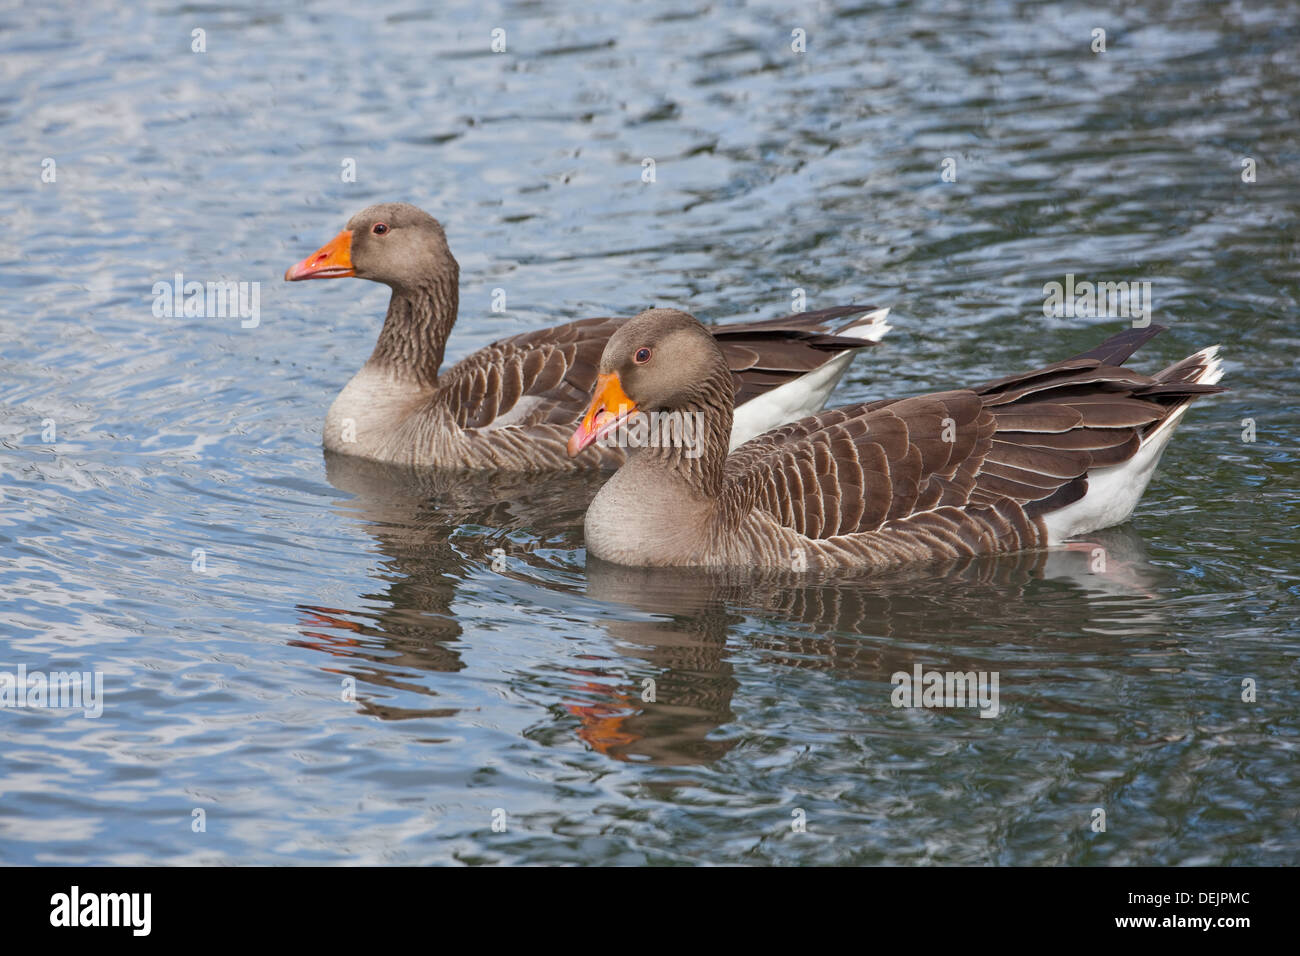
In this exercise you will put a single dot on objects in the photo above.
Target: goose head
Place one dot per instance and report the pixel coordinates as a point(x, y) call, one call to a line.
point(662, 360)
point(395, 243)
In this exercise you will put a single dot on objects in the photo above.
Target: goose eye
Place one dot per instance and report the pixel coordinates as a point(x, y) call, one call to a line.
point(380, 228)
point(642, 356)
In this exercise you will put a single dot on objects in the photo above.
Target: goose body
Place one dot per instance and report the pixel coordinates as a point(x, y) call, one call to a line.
point(512, 405)
point(1023, 462)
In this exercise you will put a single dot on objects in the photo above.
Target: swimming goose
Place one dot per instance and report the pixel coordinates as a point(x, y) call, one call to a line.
point(1023, 462)
point(510, 406)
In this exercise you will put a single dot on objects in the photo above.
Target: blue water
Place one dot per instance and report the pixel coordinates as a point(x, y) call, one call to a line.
point(349, 680)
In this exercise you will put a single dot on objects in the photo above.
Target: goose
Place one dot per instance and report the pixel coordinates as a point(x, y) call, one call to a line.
point(1020, 463)
point(511, 405)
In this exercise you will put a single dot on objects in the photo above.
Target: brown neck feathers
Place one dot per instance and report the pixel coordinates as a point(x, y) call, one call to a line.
point(701, 434)
point(418, 324)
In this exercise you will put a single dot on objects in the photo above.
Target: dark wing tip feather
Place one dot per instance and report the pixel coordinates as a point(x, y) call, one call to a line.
point(1117, 349)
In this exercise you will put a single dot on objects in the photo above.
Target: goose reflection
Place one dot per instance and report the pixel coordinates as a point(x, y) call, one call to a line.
point(405, 628)
point(678, 636)
point(959, 616)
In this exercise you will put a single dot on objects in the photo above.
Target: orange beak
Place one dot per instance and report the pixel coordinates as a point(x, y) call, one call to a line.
point(331, 261)
point(609, 406)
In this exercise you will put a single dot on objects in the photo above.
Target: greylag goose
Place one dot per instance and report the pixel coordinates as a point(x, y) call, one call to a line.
point(1023, 462)
point(511, 405)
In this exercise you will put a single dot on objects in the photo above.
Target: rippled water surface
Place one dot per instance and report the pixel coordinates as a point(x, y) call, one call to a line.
point(350, 680)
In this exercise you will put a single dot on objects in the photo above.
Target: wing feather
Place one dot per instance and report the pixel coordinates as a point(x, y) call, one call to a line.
point(959, 472)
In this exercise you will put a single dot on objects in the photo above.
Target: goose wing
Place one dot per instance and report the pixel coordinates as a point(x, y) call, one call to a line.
point(546, 376)
point(958, 472)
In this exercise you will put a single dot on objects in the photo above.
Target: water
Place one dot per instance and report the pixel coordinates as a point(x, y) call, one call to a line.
point(516, 695)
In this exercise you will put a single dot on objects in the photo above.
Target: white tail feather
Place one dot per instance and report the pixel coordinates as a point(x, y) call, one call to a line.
point(806, 394)
point(870, 326)
point(1114, 492)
